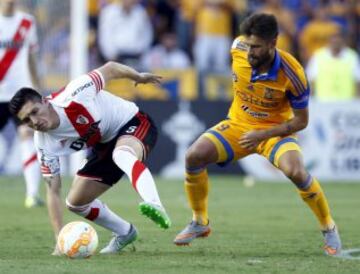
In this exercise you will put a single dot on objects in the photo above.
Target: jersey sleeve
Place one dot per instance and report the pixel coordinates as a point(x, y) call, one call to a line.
point(49, 165)
point(80, 89)
point(298, 90)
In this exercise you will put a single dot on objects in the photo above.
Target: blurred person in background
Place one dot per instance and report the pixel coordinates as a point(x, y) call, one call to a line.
point(213, 31)
point(286, 20)
point(334, 71)
point(316, 33)
point(124, 31)
point(166, 55)
point(18, 68)
point(186, 12)
point(162, 14)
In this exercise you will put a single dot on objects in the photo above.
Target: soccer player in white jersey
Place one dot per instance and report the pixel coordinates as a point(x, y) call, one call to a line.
point(18, 46)
point(83, 115)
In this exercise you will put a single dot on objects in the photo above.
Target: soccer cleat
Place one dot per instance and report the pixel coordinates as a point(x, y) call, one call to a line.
point(31, 202)
point(156, 213)
point(192, 231)
point(117, 243)
point(332, 241)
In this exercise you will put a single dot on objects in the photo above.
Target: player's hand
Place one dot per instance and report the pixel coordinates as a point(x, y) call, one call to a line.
point(145, 78)
point(252, 139)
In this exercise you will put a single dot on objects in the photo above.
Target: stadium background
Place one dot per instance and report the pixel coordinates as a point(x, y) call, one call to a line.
point(193, 97)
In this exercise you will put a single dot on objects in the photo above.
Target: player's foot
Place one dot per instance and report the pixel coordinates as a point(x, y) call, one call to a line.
point(192, 231)
point(117, 243)
point(31, 202)
point(156, 213)
point(332, 241)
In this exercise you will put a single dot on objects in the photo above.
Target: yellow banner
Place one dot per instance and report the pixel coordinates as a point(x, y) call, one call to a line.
point(176, 84)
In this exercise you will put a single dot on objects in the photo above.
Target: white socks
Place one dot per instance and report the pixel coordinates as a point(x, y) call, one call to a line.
point(31, 168)
point(100, 214)
point(139, 175)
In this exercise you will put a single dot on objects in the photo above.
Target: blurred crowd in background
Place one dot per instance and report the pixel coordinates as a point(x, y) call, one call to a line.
point(324, 35)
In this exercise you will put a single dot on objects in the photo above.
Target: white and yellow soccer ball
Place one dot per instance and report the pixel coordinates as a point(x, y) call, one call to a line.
point(77, 240)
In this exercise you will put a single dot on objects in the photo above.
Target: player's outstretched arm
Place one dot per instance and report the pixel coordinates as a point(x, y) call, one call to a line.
point(54, 203)
point(112, 70)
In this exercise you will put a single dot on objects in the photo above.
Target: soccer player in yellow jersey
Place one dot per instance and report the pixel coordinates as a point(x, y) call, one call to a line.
point(270, 105)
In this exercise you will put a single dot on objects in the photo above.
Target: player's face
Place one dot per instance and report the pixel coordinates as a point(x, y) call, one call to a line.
point(8, 5)
point(36, 115)
point(260, 50)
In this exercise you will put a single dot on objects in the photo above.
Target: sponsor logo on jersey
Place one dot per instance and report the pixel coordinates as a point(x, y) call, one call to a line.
point(80, 89)
point(92, 130)
point(255, 114)
point(82, 120)
point(249, 98)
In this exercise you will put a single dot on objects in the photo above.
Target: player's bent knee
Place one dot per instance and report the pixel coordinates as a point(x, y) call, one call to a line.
point(297, 174)
point(201, 153)
point(195, 157)
point(78, 209)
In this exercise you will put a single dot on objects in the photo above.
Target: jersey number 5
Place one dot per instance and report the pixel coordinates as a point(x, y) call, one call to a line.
point(131, 129)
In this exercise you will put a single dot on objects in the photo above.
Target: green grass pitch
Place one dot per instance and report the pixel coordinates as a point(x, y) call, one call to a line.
point(262, 229)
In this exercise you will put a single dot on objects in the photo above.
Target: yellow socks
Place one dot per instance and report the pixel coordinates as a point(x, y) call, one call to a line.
point(316, 200)
point(197, 189)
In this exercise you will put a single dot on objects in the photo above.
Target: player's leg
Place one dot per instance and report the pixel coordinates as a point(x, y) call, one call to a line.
point(132, 146)
point(290, 162)
point(201, 153)
point(82, 200)
point(31, 168)
point(217, 145)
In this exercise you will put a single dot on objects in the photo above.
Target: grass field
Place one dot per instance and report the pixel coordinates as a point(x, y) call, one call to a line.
point(263, 229)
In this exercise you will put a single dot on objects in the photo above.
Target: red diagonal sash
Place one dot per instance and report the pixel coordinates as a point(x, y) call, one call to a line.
point(11, 52)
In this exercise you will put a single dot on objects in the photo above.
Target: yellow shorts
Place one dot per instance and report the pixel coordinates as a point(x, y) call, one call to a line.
point(226, 135)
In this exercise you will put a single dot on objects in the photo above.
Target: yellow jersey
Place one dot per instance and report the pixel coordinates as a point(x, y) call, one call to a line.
point(264, 100)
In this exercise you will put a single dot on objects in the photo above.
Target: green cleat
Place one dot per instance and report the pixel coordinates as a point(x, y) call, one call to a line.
point(156, 213)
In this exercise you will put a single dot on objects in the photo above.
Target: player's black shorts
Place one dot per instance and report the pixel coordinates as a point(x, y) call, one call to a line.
point(6, 116)
point(100, 164)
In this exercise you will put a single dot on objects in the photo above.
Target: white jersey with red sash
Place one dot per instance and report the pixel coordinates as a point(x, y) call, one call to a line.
point(17, 39)
point(88, 115)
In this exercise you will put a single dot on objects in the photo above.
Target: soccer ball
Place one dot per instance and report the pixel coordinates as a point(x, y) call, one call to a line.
point(77, 240)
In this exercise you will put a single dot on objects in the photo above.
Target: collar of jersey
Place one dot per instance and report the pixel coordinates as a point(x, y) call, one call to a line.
point(271, 74)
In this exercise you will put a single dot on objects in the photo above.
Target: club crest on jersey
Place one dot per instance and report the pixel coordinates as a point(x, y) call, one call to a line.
point(82, 120)
point(269, 93)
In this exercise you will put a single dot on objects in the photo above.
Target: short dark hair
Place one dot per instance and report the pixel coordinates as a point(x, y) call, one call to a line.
point(262, 25)
point(21, 97)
